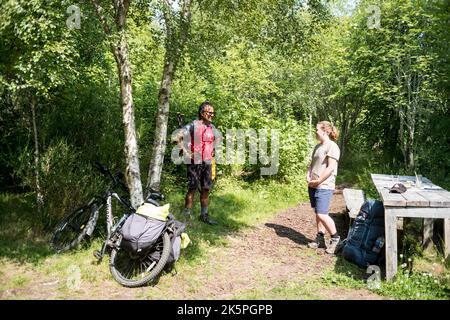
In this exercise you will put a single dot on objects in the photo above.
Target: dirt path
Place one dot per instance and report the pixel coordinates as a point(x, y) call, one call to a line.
point(276, 253)
point(257, 263)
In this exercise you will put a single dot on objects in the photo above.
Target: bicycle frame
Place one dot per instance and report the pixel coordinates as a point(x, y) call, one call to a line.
point(111, 228)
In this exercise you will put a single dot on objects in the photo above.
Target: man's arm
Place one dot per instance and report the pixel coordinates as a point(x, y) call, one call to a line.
point(179, 137)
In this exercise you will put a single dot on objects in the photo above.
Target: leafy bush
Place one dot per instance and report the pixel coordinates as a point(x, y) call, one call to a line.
point(66, 180)
point(416, 285)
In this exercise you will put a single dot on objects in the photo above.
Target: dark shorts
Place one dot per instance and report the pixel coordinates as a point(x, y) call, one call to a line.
point(199, 174)
point(320, 199)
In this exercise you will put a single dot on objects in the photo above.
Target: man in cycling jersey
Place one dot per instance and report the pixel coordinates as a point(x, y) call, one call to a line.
point(200, 148)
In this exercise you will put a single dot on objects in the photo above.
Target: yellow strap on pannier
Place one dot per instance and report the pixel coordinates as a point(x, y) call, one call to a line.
point(185, 240)
point(151, 211)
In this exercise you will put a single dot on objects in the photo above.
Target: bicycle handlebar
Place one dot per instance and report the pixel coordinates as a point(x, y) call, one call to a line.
point(117, 178)
point(117, 181)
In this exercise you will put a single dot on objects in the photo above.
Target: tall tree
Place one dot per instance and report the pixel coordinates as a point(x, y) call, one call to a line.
point(176, 20)
point(400, 64)
point(36, 56)
point(117, 36)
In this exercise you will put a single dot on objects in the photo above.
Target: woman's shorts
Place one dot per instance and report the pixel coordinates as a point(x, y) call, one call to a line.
point(320, 199)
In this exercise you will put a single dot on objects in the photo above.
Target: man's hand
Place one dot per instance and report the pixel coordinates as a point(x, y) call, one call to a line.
point(186, 153)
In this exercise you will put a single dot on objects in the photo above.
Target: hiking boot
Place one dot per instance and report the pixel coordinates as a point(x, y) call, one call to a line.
point(187, 214)
point(331, 248)
point(319, 242)
point(206, 219)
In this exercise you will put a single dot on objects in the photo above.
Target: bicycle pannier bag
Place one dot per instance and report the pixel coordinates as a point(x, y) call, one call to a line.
point(140, 233)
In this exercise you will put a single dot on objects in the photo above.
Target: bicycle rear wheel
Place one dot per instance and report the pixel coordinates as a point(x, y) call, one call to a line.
point(133, 270)
point(74, 227)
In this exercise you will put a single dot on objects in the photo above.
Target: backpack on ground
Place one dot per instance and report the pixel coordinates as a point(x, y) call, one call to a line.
point(365, 240)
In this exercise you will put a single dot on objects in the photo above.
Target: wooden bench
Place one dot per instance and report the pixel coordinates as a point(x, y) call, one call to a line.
point(354, 199)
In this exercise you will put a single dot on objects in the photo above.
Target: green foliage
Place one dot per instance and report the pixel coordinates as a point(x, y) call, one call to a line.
point(66, 181)
point(409, 284)
point(38, 49)
point(417, 286)
point(19, 240)
point(345, 275)
point(263, 64)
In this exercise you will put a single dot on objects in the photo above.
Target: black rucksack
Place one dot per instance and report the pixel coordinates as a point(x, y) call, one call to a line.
point(365, 240)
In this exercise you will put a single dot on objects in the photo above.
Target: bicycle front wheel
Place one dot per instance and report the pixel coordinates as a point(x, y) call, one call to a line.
point(74, 227)
point(133, 270)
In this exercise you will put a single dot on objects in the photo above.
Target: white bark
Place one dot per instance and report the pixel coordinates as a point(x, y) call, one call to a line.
point(162, 118)
point(132, 172)
point(119, 47)
point(39, 196)
point(174, 53)
point(410, 85)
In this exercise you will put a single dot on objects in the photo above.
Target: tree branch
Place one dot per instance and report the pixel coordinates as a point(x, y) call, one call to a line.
point(102, 18)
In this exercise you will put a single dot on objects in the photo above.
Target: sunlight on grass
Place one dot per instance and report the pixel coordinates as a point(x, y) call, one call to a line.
point(285, 290)
point(237, 206)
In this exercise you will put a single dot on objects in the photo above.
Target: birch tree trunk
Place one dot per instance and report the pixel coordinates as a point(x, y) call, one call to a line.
point(162, 118)
point(39, 196)
point(409, 82)
point(119, 47)
point(175, 43)
point(132, 172)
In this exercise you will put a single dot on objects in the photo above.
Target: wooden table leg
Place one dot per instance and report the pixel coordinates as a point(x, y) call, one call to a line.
point(447, 238)
point(427, 233)
point(390, 221)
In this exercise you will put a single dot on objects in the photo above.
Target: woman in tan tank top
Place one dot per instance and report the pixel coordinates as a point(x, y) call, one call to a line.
point(321, 178)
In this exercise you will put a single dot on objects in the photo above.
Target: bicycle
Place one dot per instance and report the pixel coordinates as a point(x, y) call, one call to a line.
point(130, 270)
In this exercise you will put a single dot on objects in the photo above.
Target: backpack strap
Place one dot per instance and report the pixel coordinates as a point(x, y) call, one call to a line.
point(190, 128)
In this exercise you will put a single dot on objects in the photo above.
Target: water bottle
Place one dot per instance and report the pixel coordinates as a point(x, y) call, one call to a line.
point(379, 243)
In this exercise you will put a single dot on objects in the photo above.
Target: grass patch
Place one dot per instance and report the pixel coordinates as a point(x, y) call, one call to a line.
point(417, 286)
point(300, 290)
point(235, 204)
point(345, 275)
point(20, 238)
point(408, 285)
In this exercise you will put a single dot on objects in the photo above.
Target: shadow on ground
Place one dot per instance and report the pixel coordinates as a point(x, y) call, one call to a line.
point(226, 209)
point(286, 232)
point(20, 238)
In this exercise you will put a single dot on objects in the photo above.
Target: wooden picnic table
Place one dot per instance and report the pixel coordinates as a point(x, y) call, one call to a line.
point(428, 202)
